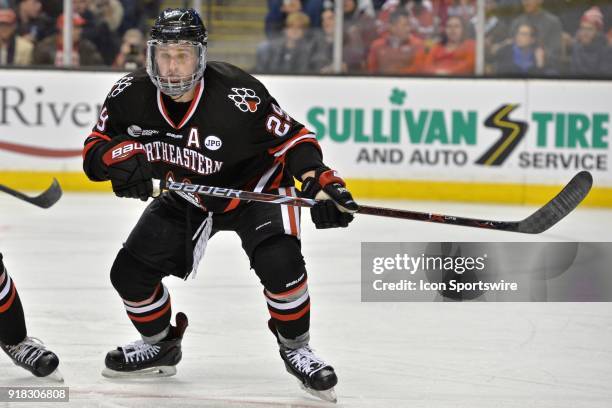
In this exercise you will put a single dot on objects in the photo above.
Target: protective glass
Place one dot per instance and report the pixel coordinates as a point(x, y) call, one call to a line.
point(175, 67)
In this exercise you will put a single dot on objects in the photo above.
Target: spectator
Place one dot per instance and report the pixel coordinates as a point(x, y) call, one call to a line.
point(132, 51)
point(132, 16)
point(136, 14)
point(496, 32)
point(399, 52)
point(570, 12)
point(53, 8)
point(149, 8)
point(591, 54)
point(32, 23)
point(290, 53)
point(278, 10)
point(359, 32)
point(378, 4)
point(548, 30)
point(366, 7)
point(14, 50)
point(109, 12)
point(100, 17)
point(523, 56)
point(313, 9)
point(323, 56)
point(50, 50)
point(421, 13)
point(455, 54)
point(465, 9)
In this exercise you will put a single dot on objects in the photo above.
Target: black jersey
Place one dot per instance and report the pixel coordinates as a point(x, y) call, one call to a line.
point(234, 134)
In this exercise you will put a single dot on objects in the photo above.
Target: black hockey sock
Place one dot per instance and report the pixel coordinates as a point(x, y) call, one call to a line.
point(146, 299)
point(151, 316)
point(12, 320)
point(290, 317)
point(279, 264)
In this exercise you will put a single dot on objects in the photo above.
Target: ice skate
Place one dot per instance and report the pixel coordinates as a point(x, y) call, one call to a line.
point(32, 355)
point(315, 376)
point(140, 359)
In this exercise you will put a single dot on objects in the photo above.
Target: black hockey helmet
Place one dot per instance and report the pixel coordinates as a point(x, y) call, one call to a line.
point(179, 25)
point(176, 29)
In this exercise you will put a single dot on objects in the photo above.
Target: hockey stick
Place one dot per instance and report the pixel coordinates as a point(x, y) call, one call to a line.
point(556, 209)
point(44, 200)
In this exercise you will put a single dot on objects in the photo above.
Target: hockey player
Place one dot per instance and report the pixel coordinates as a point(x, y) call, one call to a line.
point(185, 120)
point(26, 352)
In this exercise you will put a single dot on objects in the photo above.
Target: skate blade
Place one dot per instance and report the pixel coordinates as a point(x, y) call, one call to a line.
point(56, 376)
point(153, 372)
point(327, 395)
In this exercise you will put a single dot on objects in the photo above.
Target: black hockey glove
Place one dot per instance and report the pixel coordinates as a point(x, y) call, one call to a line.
point(337, 205)
point(128, 169)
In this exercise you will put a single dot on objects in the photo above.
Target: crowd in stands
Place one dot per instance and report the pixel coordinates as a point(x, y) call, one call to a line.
point(437, 37)
point(395, 37)
point(105, 32)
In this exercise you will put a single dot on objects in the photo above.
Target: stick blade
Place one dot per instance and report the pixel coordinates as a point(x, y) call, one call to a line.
point(50, 196)
point(561, 205)
point(44, 200)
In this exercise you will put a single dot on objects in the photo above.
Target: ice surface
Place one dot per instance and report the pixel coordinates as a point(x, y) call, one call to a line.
point(386, 354)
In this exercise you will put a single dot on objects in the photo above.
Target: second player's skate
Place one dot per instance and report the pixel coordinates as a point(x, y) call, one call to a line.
point(140, 359)
point(32, 355)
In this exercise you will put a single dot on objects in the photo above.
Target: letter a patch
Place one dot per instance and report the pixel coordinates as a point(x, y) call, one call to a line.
point(194, 138)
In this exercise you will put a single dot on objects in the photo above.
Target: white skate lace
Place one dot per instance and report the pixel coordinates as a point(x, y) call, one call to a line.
point(139, 351)
point(28, 351)
point(304, 360)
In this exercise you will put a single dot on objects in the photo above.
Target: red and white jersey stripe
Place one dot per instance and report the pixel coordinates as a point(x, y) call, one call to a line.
point(290, 213)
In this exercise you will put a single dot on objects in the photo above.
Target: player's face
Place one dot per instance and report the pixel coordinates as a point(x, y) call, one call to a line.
point(175, 67)
point(176, 60)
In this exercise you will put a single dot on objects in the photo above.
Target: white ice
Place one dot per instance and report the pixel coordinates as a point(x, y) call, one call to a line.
point(386, 354)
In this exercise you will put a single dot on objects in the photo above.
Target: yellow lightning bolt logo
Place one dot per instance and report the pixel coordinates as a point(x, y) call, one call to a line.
point(513, 132)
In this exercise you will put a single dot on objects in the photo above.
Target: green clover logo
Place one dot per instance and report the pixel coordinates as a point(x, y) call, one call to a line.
point(397, 96)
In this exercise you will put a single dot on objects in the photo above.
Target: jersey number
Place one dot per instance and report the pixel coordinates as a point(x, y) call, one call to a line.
point(279, 122)
point(101, 125)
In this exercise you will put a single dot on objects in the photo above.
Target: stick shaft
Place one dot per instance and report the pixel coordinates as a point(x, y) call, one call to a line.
point(306, 202)
point(544, 218)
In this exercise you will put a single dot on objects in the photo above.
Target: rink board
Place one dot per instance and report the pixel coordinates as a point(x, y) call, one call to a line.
point(508, 141)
